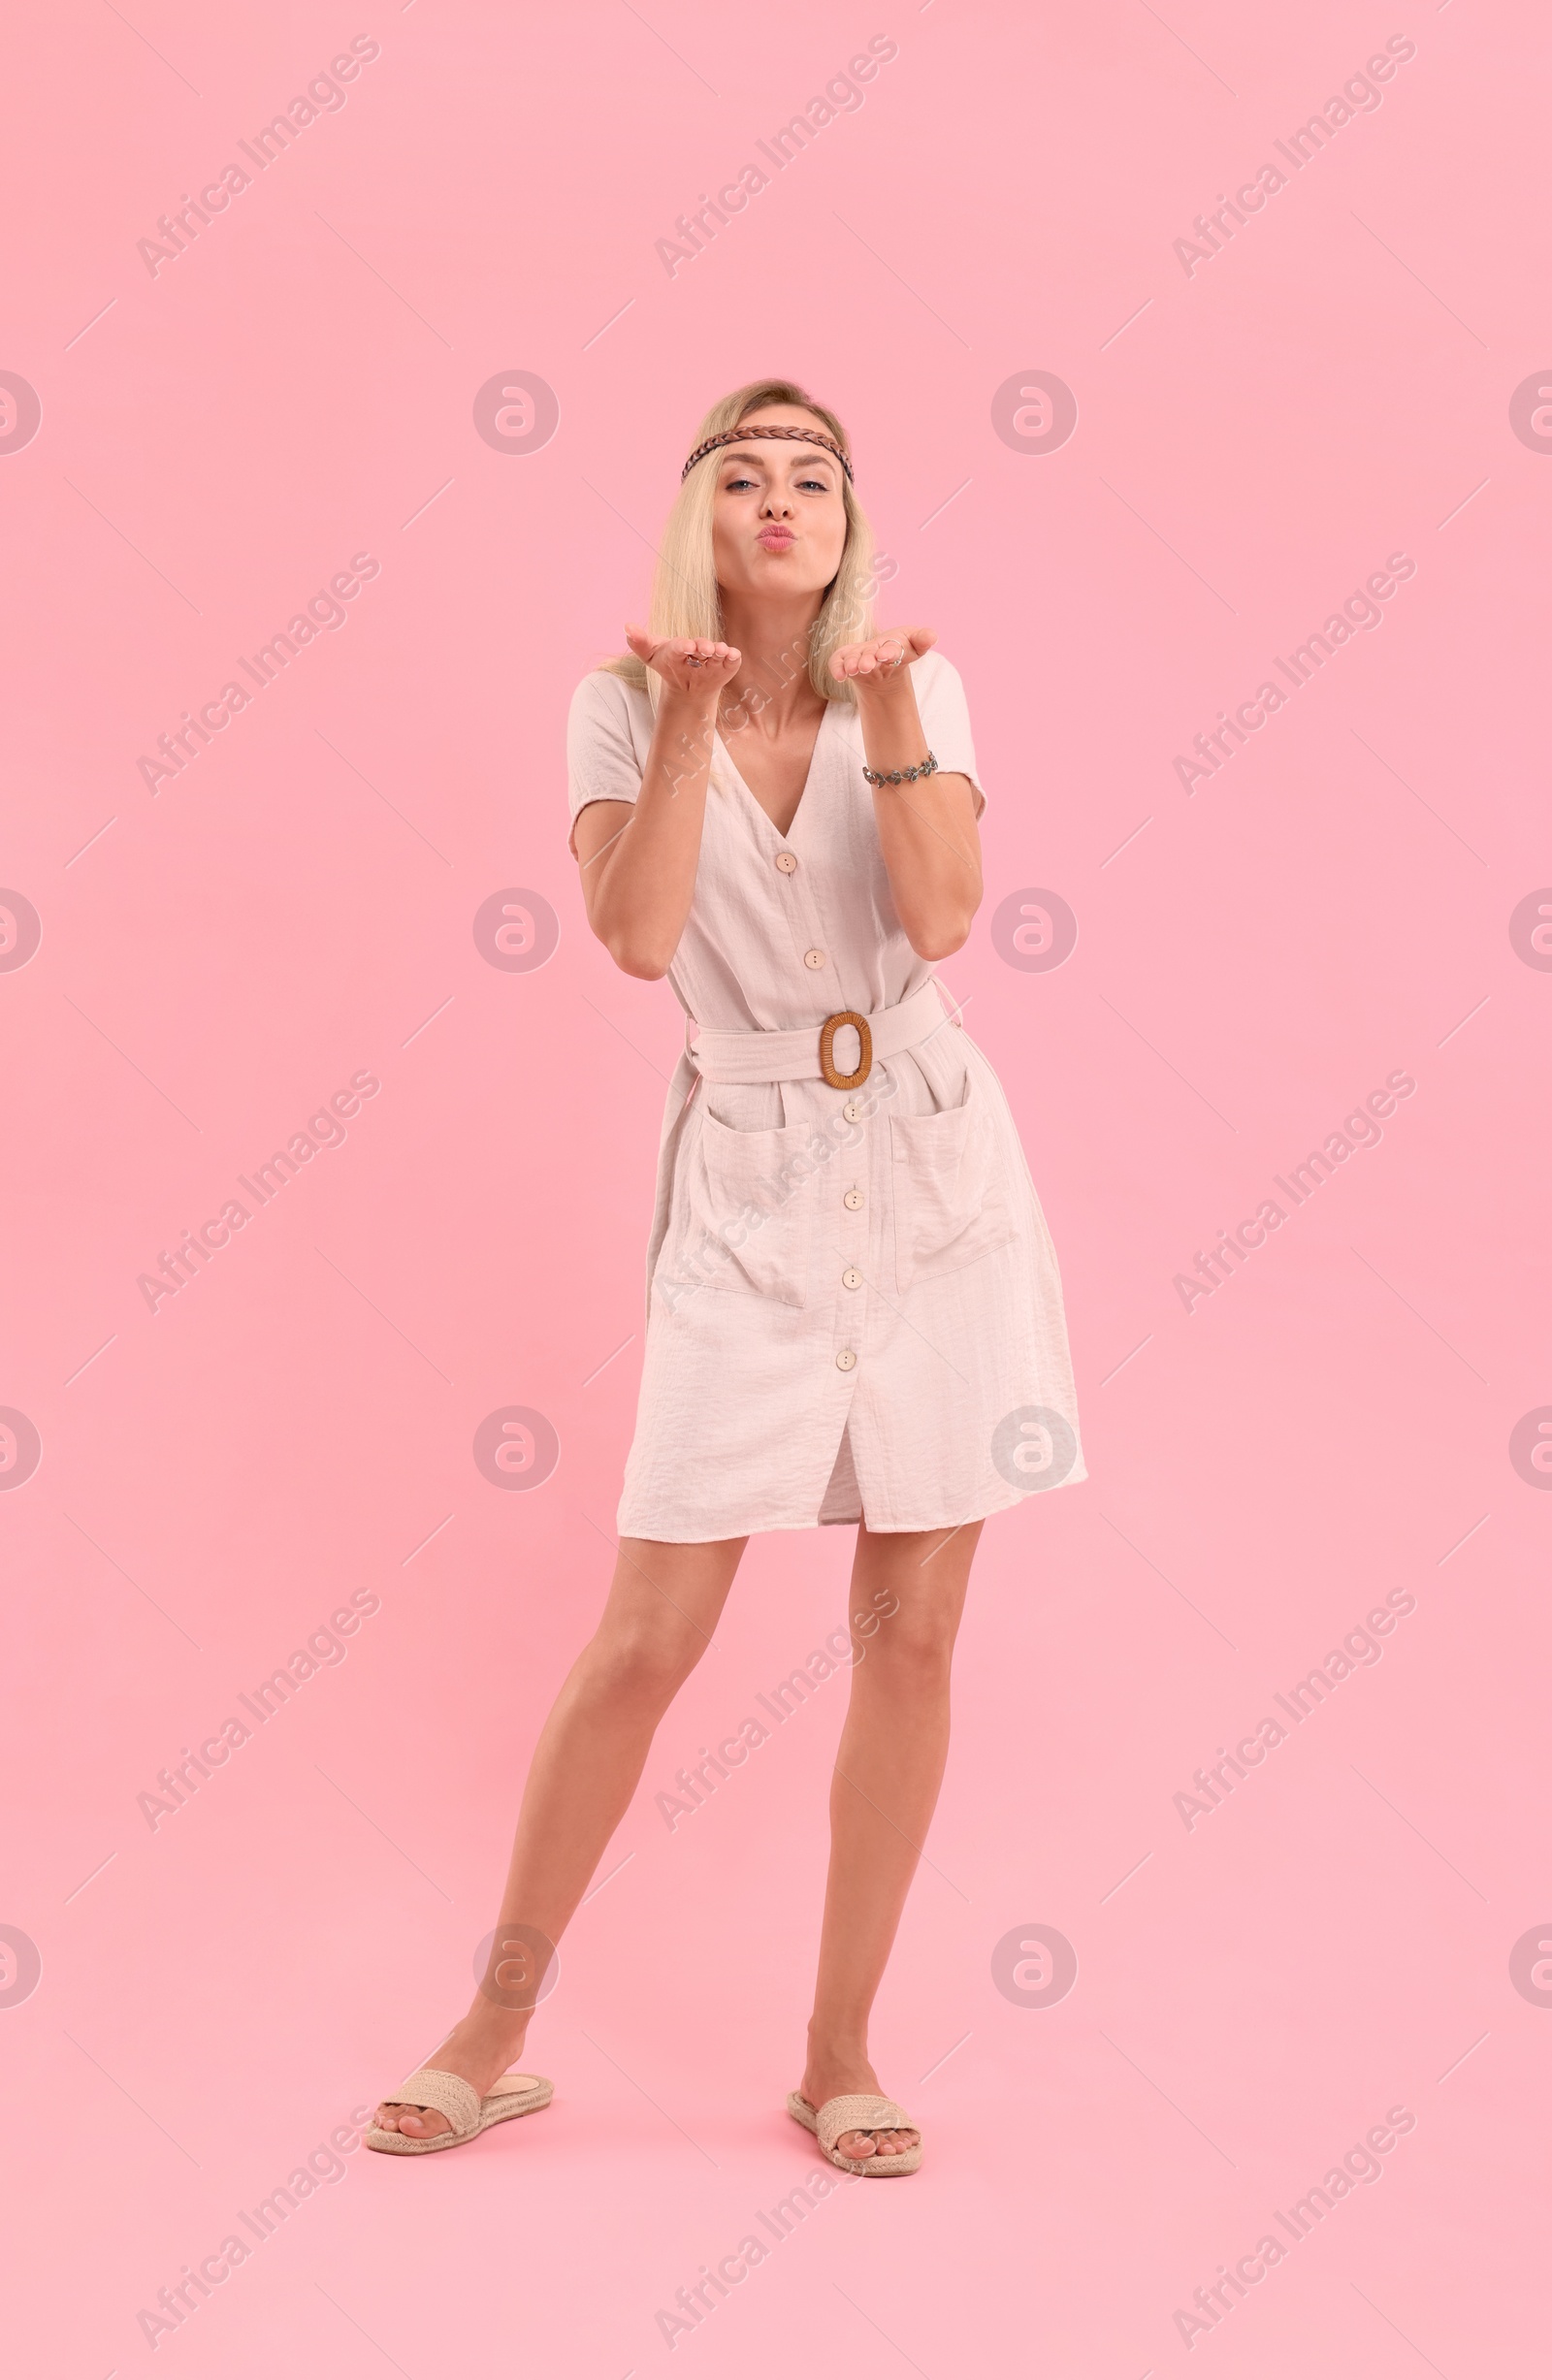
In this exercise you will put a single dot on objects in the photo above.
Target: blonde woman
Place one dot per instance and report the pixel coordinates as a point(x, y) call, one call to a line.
point(855, 1314)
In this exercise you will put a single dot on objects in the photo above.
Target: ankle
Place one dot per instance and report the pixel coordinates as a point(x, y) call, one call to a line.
point(507, 2028)
point(838, 2047)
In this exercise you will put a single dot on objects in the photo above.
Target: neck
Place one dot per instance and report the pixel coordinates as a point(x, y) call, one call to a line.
point(772, 684)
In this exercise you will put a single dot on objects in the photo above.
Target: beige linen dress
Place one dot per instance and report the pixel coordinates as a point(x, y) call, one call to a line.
point(853, 1308)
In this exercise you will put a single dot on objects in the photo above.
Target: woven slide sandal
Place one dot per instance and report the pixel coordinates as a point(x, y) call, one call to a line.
point(466, 2111)
point(857, 2111)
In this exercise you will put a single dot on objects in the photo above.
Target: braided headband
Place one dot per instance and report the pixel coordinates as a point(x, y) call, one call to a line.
point(729, 438)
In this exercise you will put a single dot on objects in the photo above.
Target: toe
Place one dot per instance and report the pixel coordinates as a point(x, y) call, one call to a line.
point(415, 2123)
point(856, 2144)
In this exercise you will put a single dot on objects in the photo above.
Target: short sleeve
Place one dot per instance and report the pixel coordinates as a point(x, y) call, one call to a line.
point(604, 754)
point(946, 720)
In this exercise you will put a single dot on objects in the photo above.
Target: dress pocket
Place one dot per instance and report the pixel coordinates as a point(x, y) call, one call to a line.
point(950, 1206)
point(748, 1212)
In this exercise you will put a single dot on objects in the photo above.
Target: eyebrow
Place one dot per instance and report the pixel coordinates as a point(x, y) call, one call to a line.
point(735, 454)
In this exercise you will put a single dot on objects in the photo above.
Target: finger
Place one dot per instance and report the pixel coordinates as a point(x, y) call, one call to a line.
point(639, 642)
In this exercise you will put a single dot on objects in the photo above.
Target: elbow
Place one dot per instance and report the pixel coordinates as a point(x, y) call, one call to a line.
point(941, 938)
point(642, 946)
point(943, 927)
point(633, 958)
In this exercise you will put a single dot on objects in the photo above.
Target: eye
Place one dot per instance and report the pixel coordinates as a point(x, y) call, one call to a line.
point(820, 486)
point(730, 486)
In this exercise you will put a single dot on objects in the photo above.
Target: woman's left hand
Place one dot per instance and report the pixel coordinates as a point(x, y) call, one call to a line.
point(882, 659)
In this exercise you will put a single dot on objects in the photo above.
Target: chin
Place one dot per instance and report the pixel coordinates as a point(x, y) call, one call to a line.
point(786, 574)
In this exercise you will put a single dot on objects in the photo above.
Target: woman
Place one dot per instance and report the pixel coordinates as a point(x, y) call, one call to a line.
point(853, 1308)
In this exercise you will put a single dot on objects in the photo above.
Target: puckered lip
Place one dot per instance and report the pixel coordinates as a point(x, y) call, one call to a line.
point(776, 538)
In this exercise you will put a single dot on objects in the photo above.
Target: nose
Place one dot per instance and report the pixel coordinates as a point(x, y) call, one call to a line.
point(777, 506)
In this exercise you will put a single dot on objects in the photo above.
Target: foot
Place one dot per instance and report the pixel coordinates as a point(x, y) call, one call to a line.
point(481, 2046)
point(833, 2077)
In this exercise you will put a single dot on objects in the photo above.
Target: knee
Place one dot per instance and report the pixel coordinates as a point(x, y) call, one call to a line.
point(913, 1646)
point(642, 1663)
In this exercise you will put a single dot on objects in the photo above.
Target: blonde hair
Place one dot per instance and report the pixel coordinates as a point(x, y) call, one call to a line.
point(686, 599)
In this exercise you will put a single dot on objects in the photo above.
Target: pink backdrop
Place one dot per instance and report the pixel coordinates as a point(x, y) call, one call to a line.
point(234, 414)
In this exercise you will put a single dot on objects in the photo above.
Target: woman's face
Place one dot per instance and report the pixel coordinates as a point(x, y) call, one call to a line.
point(779, 517)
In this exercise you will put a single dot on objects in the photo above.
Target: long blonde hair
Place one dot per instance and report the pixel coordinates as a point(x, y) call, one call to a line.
point(685, 600)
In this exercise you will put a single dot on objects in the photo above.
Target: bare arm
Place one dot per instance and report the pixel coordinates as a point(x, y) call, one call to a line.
point(638, 859)
point(927, 831)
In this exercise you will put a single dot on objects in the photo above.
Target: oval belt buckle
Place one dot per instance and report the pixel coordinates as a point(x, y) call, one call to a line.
point(826, 1050)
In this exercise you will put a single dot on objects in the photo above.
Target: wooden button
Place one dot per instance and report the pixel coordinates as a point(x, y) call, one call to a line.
point(787, 861)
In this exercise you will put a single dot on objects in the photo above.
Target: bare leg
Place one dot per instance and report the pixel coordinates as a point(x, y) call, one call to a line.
point(663, 1607)
point(888, 1772)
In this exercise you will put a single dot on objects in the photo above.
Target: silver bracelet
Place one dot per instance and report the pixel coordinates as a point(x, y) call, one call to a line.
point(901, 776)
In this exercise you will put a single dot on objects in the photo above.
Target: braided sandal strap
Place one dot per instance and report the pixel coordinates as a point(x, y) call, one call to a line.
point(859, 2111)
point(432, 2087)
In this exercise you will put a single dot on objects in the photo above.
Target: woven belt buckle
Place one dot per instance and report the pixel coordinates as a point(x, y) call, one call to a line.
point(826, 1050)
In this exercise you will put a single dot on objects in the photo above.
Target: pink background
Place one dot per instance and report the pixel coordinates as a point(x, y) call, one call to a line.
point(294, 1424)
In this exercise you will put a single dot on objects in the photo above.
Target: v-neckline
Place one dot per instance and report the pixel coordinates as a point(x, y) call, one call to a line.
point(755, 804)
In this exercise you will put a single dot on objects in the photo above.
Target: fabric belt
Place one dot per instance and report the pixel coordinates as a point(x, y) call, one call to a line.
point(795, 1057)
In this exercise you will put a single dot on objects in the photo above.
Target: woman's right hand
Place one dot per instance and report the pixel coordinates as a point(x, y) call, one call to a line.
point(639, 860)
point(691, 665)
